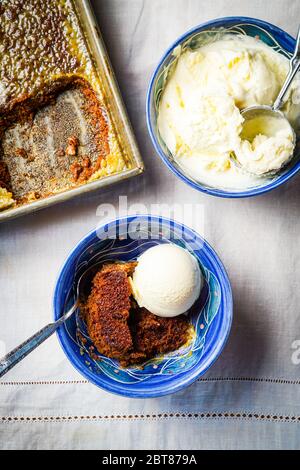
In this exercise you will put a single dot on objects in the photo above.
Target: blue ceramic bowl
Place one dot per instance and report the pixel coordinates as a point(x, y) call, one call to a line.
point(125, 239)
point(275, 37)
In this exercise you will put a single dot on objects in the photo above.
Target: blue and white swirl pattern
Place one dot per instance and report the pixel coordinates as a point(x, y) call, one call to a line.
point(201, 316)
point(124, 240)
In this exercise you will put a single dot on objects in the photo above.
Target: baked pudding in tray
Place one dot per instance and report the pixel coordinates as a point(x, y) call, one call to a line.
point(62, 122)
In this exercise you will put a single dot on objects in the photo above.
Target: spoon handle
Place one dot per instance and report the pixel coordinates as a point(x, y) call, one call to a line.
point(16, 355)
point(294, 68)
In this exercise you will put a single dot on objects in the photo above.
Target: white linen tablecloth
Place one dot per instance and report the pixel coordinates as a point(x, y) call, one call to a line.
point(251, 397)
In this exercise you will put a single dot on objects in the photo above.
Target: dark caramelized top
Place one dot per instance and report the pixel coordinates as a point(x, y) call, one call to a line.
point(56, 131)
point(40, 41)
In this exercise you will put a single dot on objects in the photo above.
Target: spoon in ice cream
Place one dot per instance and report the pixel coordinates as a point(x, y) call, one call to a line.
point(262, 120)
point(20, 352)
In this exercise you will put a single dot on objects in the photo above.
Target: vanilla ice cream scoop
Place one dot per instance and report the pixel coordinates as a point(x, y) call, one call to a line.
point(265, 151)
point(167, 280)
point(267, 143)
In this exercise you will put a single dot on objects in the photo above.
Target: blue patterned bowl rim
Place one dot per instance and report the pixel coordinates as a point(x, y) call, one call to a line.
point(288, 44)
point(186, 378)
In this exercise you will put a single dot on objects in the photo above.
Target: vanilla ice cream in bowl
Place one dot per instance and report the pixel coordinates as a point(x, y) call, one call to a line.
point(196, 101)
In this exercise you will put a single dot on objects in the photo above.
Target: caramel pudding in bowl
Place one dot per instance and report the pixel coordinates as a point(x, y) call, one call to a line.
point(58, 130)
point(119, 328)
point(114, 299)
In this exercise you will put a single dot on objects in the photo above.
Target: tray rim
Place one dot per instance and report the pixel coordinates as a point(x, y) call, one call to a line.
point(91, 22)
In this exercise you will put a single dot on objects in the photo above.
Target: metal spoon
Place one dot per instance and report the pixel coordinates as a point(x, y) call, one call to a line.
point(18, 354)
point(254, 112)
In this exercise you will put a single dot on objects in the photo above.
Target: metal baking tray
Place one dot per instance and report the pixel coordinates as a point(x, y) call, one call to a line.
point(114, 107)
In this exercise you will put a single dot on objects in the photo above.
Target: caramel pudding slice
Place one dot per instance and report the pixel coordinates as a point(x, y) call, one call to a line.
point(120, 329)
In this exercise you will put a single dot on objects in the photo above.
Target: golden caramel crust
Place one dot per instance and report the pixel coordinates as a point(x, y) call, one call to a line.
point(40, 42)
point(52, 103)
